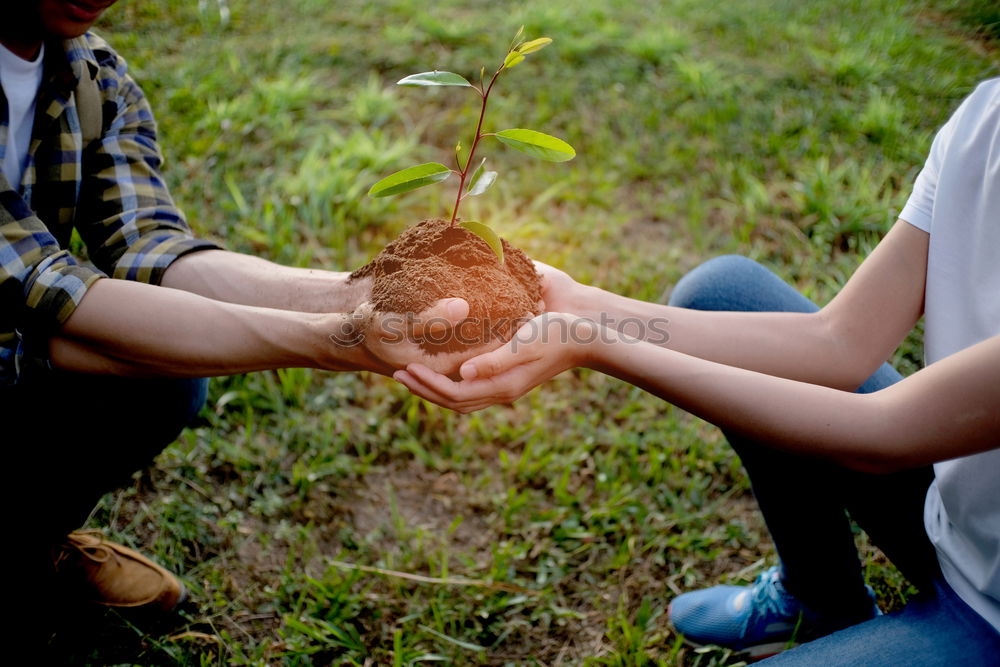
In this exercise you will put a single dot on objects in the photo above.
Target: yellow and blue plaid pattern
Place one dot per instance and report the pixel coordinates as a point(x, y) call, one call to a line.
point(111, 191)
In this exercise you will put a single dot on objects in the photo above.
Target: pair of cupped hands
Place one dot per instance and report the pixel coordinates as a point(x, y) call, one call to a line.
point(487, 375)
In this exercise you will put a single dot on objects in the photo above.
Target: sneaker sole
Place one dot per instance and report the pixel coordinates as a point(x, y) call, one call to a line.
point(761, 651)
point(754, 653)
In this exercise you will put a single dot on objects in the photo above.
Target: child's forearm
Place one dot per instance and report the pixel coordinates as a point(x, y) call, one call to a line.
point(949, 409)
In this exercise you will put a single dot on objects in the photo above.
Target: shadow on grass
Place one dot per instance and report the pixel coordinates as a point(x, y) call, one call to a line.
point(82, 634)
point(982, 16)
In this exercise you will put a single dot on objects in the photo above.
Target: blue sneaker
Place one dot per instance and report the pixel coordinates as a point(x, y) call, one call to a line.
point(759, 620)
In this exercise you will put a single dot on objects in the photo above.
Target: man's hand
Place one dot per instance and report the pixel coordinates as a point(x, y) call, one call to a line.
point(542, 348)
point(392, 340)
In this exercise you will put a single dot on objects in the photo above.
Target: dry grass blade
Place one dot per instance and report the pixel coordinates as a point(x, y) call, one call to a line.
point(441, 581)
point(215, 639)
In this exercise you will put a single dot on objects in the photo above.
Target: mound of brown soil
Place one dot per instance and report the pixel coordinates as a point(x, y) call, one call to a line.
point(435, 260)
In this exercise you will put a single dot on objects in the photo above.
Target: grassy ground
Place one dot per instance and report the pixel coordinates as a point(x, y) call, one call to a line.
point(557, 530)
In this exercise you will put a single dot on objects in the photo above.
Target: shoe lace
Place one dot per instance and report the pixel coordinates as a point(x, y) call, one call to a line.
point(77, 544)
point(769, 598)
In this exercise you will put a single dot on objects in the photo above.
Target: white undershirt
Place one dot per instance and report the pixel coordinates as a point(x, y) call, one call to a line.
point(20, 80)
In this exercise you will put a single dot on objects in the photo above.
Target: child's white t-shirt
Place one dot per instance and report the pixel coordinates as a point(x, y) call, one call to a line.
point(956, 199)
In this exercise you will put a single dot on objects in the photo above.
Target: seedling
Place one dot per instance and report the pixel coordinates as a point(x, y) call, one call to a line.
point(476, 182)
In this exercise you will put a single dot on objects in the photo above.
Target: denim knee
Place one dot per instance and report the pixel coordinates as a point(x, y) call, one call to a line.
point(701, 288)
point(159, 413)
point(176, 404)
point(737, 283)
point(156, 410)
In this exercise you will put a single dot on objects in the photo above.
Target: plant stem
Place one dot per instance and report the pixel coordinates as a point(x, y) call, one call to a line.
point(475, 142)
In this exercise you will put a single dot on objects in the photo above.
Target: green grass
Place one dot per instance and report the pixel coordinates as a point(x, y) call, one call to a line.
point(787, 130)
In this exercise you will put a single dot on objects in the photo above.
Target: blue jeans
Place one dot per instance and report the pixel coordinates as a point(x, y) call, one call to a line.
point(806, 502)
point(71, 438)
point(934, 628)
point(78, 436)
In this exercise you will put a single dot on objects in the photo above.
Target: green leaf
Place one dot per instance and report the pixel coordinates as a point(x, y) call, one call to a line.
point(410, 178)
point(486, 234)
point(512, 59)
point(534, 45)
point(517, 36)
point(481, 181)
point(476, 174)
point(434, 78)
point(482, 184)
point(540, 145)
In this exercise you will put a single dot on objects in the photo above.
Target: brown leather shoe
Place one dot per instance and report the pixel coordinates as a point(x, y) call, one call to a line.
point(109, 574)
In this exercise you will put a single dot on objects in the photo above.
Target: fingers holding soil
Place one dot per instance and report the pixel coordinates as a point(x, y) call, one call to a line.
point(432, 261)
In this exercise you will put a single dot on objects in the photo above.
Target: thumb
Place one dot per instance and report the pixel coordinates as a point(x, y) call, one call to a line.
point(519, 350)
point(444, 314)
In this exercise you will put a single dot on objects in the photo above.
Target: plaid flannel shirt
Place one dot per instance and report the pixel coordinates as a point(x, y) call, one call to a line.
point(111, 192)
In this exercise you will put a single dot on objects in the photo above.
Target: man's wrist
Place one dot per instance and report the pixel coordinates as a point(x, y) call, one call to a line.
point(353, 293)
point(339, 344)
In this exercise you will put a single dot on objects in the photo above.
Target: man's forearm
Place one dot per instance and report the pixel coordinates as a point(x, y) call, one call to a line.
point(252, 281)
point(125, 327)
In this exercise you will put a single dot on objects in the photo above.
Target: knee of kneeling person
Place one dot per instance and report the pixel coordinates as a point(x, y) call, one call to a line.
point(175, 403)
point(700, 287)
